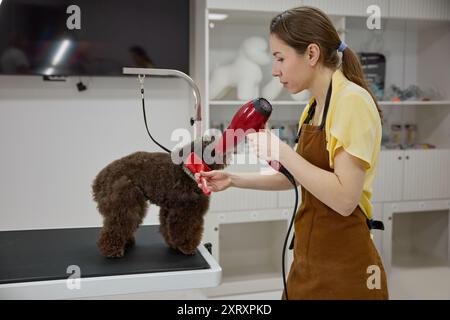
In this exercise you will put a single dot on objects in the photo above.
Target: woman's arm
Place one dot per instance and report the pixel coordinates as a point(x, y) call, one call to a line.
point(217, 180)
point(340, 190)
point(258, 181)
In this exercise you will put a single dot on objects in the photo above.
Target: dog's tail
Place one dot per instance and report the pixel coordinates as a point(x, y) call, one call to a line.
point(98, 185)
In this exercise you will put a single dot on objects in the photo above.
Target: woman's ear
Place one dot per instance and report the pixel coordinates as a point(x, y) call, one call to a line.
point(312, 54)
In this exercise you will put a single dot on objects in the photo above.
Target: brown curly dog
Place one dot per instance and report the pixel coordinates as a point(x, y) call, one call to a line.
point(123, 189)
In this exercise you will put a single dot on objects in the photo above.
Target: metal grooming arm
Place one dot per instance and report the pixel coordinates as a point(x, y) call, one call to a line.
point(171, 73)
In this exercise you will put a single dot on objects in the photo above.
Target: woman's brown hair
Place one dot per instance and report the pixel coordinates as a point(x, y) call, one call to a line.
point(299, 27)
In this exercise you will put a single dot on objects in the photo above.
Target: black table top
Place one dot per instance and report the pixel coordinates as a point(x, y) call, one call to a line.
point(37, 255)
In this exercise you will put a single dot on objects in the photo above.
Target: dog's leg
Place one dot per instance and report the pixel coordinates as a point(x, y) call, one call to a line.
point(163, 214)
point(123, 213)
point(185, 229)
point(111, 242)
point(117, 235)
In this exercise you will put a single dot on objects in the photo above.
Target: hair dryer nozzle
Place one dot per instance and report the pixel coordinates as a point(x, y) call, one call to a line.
point(263, 107)
point(251, 116)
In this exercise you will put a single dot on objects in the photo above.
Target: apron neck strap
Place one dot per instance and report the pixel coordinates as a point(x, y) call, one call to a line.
point(326, 106)
point(312, 110)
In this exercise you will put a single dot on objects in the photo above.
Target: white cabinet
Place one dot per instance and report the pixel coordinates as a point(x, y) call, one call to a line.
point(426, 174)
point(239, 199)
point(234, 199)
point(286, 199)
point(416, 234)
point(389, 177)
point(412, 175)
point(412, 198)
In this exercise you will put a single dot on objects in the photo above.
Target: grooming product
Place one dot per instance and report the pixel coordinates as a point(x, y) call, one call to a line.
point(396, 134)
point(411, 134)
point(192, 165)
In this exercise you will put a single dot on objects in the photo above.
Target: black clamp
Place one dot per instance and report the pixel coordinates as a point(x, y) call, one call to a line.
point(375, 224)
point(208, 247)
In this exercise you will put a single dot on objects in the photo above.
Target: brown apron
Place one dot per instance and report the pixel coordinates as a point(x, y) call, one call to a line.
point(332, 253)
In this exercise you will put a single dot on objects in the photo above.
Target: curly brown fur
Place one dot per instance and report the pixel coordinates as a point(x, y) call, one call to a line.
point(124, 188)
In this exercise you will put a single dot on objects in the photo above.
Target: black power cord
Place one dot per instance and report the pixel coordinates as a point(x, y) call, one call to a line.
point(145, 121)
point(291, 179)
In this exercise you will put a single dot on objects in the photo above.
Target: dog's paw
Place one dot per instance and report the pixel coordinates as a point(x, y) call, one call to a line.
point(130, 243)
point(117, 256)
point(112, 252)
point(187, 250)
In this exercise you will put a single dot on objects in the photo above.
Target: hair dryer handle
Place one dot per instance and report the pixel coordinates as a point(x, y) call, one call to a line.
point(279, 167)
point(276, 165)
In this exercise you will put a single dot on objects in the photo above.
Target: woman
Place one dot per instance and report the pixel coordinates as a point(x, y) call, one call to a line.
point(334, 161)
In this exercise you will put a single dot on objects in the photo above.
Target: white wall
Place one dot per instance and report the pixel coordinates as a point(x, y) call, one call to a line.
point(54, 140)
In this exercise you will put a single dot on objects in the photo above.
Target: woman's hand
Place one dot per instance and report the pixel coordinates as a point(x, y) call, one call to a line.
point(215, 180)
point(266, 145)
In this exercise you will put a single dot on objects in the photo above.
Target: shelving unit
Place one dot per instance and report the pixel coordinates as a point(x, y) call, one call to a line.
point(411, 191)
point(415, 42)
point(417, 234)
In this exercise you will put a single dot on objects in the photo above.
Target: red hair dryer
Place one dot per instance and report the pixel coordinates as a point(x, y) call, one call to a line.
point(251, 116)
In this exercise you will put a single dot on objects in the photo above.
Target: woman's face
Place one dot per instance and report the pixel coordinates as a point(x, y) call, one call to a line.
point(292, 69)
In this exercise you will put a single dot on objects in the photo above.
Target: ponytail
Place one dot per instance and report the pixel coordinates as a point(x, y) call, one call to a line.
point(352, 69)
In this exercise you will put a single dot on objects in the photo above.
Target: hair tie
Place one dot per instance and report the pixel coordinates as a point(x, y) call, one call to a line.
point(342, 46)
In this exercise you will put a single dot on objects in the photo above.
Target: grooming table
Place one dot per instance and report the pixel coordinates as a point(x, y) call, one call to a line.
point(34, 265)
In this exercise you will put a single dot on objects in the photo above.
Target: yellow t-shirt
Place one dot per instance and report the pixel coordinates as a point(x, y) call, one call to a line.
point(353, 123)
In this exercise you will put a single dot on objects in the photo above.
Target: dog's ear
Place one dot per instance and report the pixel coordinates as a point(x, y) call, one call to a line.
point(184, 150)
point(180, 153)
point(213, 139)
point(208, 138)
